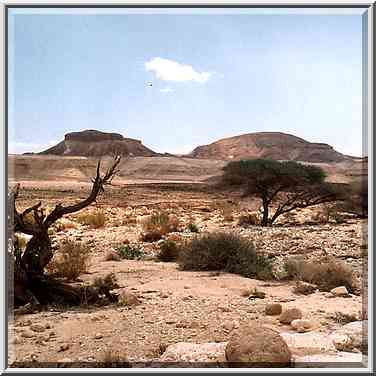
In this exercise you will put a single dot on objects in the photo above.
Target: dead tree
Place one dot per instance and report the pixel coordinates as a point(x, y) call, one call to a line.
point(28, 266)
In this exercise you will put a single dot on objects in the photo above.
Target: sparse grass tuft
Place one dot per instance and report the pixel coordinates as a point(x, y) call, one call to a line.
point(114, 359)
point(158, 225)
point(345, 318)
point(64, 224)
point(224, 251)
point(250, 219)
point(95, 219)
point(71, 261)
point(326, 274)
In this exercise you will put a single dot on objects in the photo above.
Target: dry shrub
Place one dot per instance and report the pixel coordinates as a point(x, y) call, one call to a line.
point(328, 213)
point(114, 359)
point(345, 318)
point(72, 260)
point(192, 227)
point(158, 225)
point(250, 219)
point(64, 224)
point(320, 218)
point(159, 350)
point(129, 220)
point(106, 283)
point(20, 242)
point(326, 274)
point(169, 251)
point(224, 251)
point(95, 219)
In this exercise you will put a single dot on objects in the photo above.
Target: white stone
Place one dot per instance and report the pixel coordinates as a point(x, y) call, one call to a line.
point(192, 352)
point(340, 291)
point(302, 326)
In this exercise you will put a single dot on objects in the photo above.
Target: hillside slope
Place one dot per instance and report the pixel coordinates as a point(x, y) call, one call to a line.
point(273, 145)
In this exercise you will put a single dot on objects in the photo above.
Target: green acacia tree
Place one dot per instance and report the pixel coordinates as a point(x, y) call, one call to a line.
point(290, 184)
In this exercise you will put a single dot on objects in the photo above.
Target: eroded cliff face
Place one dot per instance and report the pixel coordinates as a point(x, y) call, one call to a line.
point(92, 143)
point(273, 145)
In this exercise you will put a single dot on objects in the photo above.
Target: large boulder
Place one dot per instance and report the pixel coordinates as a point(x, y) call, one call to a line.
point(315, 342)
point(257, 346)
point(352, 337)
point(289, 315)
point(273, 309)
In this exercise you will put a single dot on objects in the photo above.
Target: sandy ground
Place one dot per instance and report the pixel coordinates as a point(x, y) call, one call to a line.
point(176, 306)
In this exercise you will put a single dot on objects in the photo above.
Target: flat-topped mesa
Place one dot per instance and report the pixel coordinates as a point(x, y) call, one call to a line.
point(92, 135)
point(93, 143)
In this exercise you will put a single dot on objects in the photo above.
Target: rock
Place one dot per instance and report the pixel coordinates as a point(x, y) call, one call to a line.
point(289, 315)
point(340, 359)
point(191, 352)
point(65, 360)
point(273, 309)
point(230, 325)
point(257, 295)
point(63, 347)
point(343, 342)
point(352, 336)
point(98, 336)
point(339, 291)
point(302, 326)
point(223, 308)
point(27, 334)
point(16, 340)
point(38, 328)
point(257, 346)
point(127, 298)
point(112, 255)
point(308, 343)
point(187, 287)
point(304, 288)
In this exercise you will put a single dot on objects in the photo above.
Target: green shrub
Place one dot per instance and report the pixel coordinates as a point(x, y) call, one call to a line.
point(130, 252)
point(169, 251)
point(227, 252)
point(192, 227)
point(326, 274)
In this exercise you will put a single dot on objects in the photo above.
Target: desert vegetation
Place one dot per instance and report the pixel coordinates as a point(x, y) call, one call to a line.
point(224, 251)
point(157, 273)
point(292, 185)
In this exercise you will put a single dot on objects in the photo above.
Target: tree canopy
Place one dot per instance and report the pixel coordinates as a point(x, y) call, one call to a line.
point(291, 184)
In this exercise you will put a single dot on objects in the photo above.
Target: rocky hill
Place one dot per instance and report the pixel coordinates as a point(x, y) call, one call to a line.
point(273, 145)
point(92, 143)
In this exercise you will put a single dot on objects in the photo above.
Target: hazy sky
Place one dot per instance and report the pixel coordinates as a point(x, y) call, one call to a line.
point(212, 75)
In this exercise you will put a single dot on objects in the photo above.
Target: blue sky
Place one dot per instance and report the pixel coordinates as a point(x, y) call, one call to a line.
point(212, 75)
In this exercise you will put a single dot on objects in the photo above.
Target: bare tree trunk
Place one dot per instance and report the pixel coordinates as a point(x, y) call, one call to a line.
point(29, 267)
point(265, 214)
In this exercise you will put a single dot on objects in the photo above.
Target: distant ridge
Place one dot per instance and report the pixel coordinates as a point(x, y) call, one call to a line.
point(271, 145)
point(93, 143)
